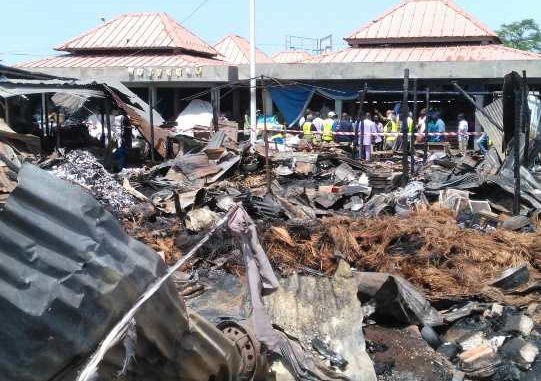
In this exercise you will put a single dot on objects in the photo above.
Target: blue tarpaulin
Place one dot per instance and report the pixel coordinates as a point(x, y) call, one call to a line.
point(291, 101)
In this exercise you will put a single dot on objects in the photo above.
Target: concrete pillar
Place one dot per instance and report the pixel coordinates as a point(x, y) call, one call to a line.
point(7, 112)
point(236, 104)
point(338, 104)
point(480, 101)
point(215, 102)
point(269, 107)
point(176, 102)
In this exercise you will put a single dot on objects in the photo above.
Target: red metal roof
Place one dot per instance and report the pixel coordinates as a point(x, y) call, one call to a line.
point(426, 54)
point(422, 21)
point(136, 31)
point(292, 56)
point(121, 60)
point(236, 50)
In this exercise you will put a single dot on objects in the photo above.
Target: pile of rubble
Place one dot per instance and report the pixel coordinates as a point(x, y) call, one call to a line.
point(446, 279)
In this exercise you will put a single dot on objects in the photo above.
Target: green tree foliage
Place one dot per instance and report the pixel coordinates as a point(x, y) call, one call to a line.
point(524, 35)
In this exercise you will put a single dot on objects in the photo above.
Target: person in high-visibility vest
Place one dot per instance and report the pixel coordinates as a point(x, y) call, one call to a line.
point(329, 127)
point(390, 126)
point(308, 129)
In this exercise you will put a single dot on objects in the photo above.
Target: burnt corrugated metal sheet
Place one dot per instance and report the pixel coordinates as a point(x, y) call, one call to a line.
point(138, 31)
point(423, 20)
point(68, 273)
point(291, 57)
point(426, 54)
point(122, 60)
point(236, 50)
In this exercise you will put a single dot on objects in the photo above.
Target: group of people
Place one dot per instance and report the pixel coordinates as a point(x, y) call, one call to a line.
point(379, 132)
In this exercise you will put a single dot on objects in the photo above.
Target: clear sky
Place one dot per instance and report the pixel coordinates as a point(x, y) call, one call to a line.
point(31, 28)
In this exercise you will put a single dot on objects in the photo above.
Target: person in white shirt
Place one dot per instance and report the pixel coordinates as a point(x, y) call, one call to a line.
point(365, 140)
point(421, 127)
point(318, 122)
point(378, 139)
point(463, 134)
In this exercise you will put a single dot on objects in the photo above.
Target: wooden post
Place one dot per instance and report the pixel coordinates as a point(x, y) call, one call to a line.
point(412, 137)
point(214, 100)
point(108, 122)
point(102, 139)
point(151, 101)
point(404, 112)
point(526, 119)
point(518, 128)
point(266, 137)
point(57, 130)
point(425, 158)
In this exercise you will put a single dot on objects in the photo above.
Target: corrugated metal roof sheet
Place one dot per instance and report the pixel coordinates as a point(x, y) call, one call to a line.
point(423, 20)
point(122, 60)
point(236, 50)
point(138, 31)
point(293, 56)
point(426, 54)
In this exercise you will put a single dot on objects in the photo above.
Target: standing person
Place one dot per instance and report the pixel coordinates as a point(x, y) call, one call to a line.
point(126, 131)
point(436, 126)
point(308, 129)
point(484, 143)
point(421, 126)
point(329, 127)
point(365, 140)
point(440, 125)
point(318, 122)
point(463, 134)
point(345, 126)
point(390, 127)
point(378, 139)
point(304, 117)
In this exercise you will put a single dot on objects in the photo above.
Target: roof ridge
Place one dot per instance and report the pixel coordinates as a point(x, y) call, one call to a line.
point(146, 30)
point(62, 46)
point(451, 4)
point(170, 24)
point(373, 21)
point(384, 28)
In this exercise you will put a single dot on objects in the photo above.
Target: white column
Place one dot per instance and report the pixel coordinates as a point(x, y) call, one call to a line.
point(267, 98)
point(253, 82)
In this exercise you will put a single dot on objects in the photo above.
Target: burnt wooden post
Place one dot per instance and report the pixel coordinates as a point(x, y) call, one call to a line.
point(151, 101)
point(57, 130)
point(266, 137)
point(520, 121)
point(526, 116)
point(215, 102)
point(425, 150)
point(404, 115)
point(102, 138)
point(412, 136)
